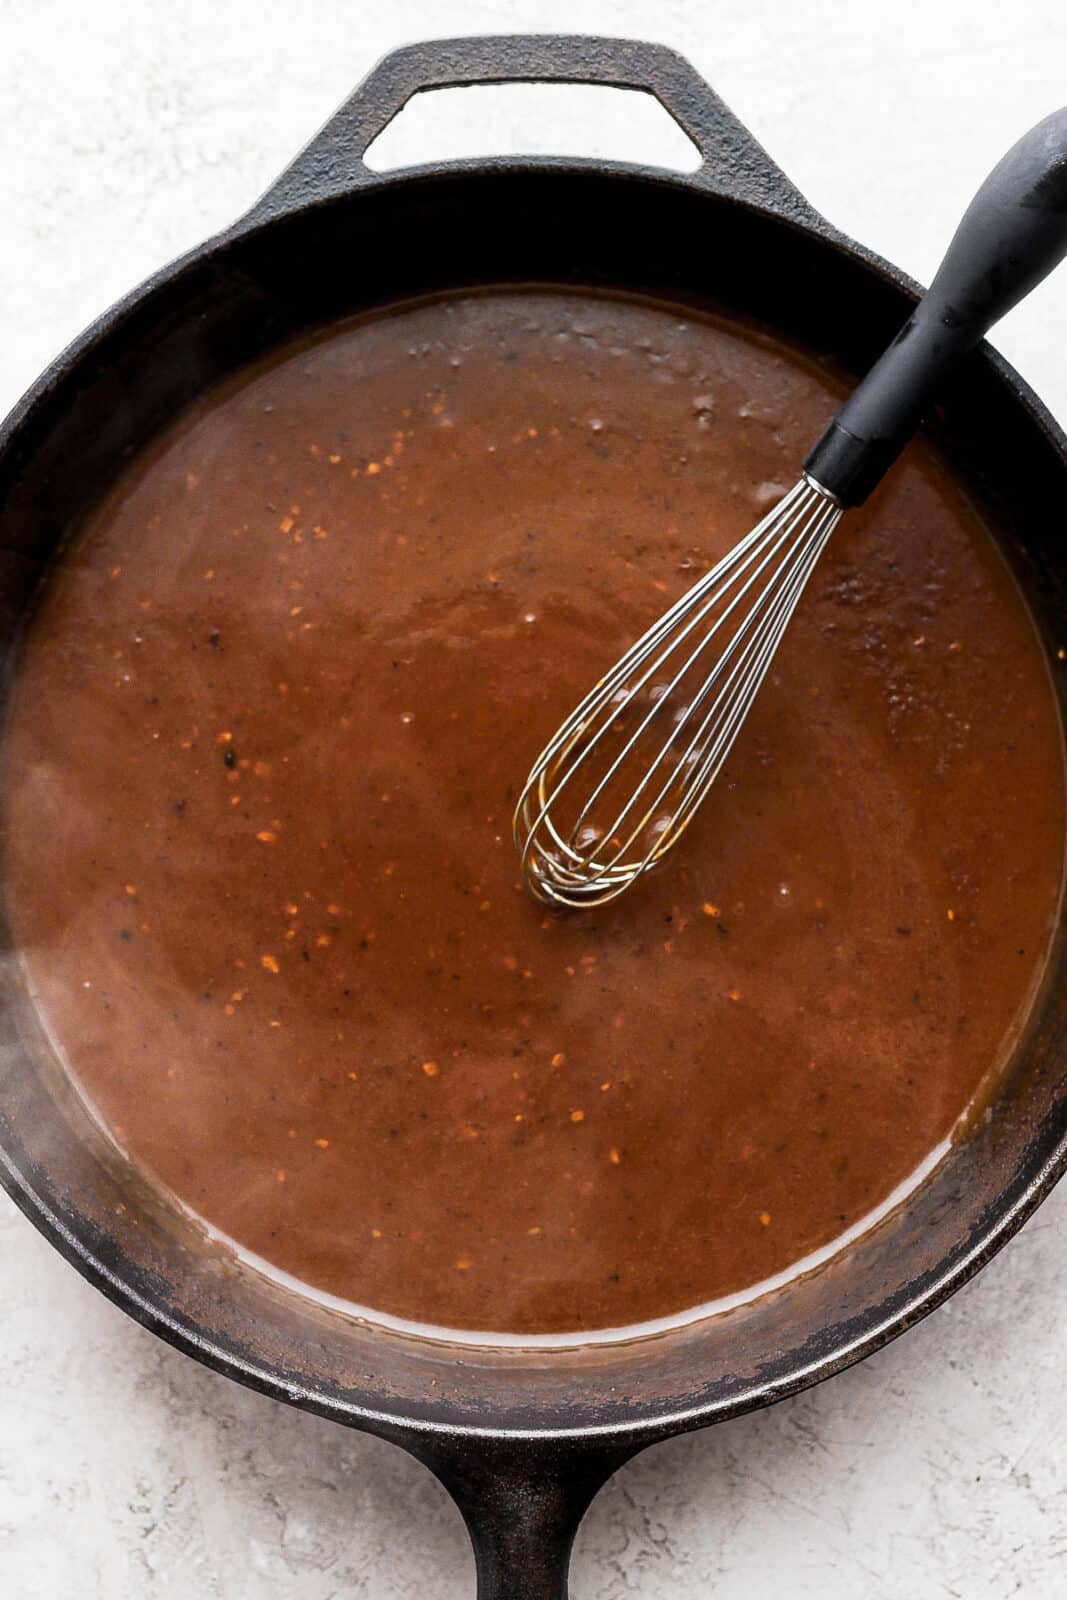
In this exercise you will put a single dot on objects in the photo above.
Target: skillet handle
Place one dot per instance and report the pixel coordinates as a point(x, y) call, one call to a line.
point(522, 1502)
point(733, 164)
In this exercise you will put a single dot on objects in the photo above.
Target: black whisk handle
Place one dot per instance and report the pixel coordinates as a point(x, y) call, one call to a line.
point(1011, 236)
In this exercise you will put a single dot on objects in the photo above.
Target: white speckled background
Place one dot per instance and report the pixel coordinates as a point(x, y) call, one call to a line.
point(129, 129)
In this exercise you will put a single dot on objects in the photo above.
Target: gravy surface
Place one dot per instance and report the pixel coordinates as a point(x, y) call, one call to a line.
point(267, 733)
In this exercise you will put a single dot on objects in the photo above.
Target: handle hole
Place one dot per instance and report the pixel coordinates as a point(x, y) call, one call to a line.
point(533, 119)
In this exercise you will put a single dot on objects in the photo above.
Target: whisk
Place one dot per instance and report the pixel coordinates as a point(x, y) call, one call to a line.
point(618, 784)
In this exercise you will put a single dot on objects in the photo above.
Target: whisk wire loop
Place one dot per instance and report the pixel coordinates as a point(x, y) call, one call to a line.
point(649, 787)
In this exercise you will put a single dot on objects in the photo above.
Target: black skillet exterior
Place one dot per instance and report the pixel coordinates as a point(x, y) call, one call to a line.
point(522, 1485)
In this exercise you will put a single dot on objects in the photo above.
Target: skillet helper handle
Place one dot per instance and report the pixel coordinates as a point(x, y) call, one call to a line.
point(1011, 236)
point(733, 163)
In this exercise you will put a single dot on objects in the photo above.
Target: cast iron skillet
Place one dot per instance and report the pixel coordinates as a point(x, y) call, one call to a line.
point(523, 1440)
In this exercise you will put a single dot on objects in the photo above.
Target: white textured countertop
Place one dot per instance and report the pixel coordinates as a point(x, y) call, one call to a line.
point(129, 129)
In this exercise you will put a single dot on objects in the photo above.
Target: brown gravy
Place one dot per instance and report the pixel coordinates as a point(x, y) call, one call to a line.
point(266, 738)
